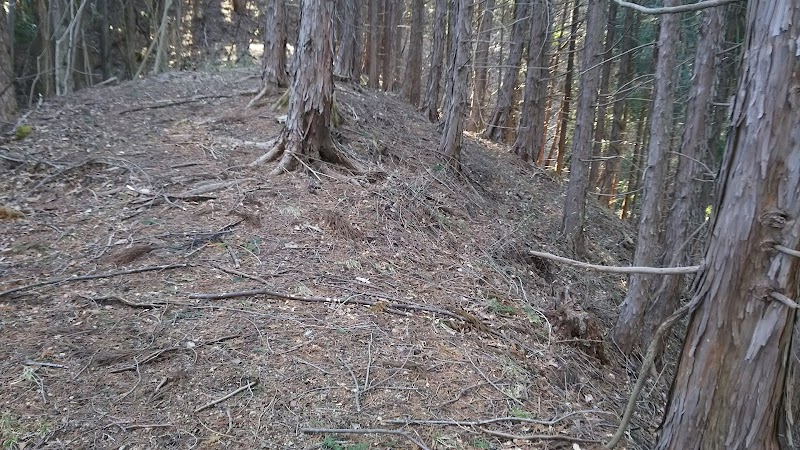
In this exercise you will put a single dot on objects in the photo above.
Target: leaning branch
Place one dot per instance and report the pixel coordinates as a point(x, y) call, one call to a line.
point(616, 269)
point(674, 9)
point(647, 363)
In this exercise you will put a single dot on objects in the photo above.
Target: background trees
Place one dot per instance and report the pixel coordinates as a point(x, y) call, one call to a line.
point(643, 139)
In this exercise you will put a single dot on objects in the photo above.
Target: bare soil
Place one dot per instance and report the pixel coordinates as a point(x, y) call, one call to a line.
point(404, 294)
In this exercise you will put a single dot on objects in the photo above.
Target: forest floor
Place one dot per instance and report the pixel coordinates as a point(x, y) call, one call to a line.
point(404, 300)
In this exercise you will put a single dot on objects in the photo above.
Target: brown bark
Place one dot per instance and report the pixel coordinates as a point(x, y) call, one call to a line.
point(530, 138)
point(346, 61)
point(8, 100)
point(610, 175)
point(430, 106)
point(634, 177)
point(413, 76)
point(686, 195)
point(484, 36)
point(730, 384)
point(373, 43)
point(457, 85)
point(388, 55)
point(566, 101)
point(273, 68)
point(575, 205)
point(605, 79)
point(306, 136)
point(649, 242)
point(501, 114)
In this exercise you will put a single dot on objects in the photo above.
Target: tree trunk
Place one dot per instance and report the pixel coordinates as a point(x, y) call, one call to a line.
point(505, 97)
point(8, 100)
point(648, 242)
point(634, 179)
point(399, 11)
point(430, 105)
point(457, 85)
point(358, 52)
point(387, 57)
point(530, 137)
point(567, 100)
point(605, 79)
point(344, 67)
point(609, 176)
point(413, 76)
point(306, 136)
point(575, 206)
point(273, 68)
point(730, 385)
point(686, 196)
point(373, 43)
point(484, 36)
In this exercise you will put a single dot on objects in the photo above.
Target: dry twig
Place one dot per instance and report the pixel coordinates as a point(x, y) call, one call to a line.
point(227, 396)
point(366, 431)
point(91, 277)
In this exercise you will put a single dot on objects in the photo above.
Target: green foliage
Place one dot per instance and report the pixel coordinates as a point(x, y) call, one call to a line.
point(13, 431)
point(330, 443)
point(481, 444)
point(25, 25)
point(521, 413)
point(496, 307)
point(22, 132)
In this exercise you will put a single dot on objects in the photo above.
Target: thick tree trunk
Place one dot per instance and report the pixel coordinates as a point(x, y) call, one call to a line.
point(497, 122)
point(649, 242)
point(530, 137)
point(484, 36)
point(273, 68)
point(344, 67)
point(729, 389)
point(608, 179)
point(686, 195)
point(600, 126)
point(457, 85)
point(413, 77)
point(430, 105)
point(575, 205)
point(8, 100)
point(306, 136)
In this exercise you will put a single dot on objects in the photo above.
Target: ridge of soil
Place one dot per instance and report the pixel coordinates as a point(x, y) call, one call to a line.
point(420, 300)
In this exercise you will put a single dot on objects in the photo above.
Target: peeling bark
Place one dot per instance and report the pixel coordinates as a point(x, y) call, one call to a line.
point(730, 385)
point(457, 84)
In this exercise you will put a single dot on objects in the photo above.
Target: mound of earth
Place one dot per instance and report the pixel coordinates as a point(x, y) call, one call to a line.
point(159, 291)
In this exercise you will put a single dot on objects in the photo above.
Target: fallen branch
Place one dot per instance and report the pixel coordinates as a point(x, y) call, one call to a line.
point(674, 9)
point(539, 437)
point(618, 269)
point(45, 364)
point(91, 277)
point(227, 396)
point(363, 302)
point(475, 423)
point(365, 431)
point(180, 101)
